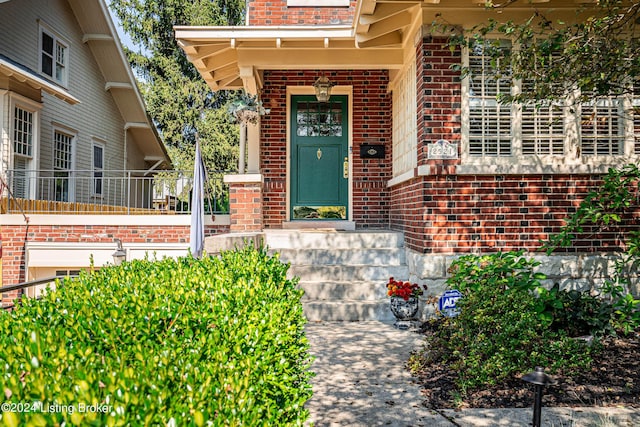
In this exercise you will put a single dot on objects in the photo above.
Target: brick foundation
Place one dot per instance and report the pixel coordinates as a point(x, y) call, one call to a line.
point(245, 205)
point(15, 237)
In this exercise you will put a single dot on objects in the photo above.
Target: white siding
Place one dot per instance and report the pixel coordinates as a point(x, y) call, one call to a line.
point(96, 116)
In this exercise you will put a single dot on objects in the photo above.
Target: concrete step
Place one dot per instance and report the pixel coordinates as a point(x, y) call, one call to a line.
point(323, 239)
point(337, 291)
point(388, 256)
point(347, 273)
point(346, 310)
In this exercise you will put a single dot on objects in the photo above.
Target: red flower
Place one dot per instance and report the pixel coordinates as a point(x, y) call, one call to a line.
point(403, 290)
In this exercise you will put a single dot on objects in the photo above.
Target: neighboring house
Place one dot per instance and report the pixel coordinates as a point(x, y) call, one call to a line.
point(404, 143)
point(75, 138)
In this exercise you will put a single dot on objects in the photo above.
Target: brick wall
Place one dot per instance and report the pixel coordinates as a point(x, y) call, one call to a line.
point(485, 213)
point(448, 213)
point(14, 238)
point(371, 124)
point(245, 201)
point(438, 97)
point(276, 12)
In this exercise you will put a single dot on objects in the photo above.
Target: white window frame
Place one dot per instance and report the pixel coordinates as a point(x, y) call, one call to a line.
point(58, 42)
point(405, 122)
point(73, 135)
point(18, 101)
point(101, 145)
point(570, 161)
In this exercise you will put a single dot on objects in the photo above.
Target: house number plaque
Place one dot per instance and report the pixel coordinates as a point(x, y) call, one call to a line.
point(442, 149)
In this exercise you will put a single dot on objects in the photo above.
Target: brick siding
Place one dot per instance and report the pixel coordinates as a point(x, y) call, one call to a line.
point(14, 239)
point(246, 207)
point(448, 213)
point(276, 12)
point(371, 124)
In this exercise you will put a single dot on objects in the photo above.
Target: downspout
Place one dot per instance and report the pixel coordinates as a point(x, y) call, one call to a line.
point(124, 164)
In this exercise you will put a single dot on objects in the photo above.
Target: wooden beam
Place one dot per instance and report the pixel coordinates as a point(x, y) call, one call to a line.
point(389, 25)
point(383, 11)
point(391, 39)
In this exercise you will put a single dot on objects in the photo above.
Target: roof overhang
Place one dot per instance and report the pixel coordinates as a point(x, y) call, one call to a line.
point(100, 35)
point(235, 57)
point(30, 77)
point(382, 36)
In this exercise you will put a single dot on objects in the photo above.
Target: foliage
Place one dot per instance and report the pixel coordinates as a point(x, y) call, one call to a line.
point(610, 207)
point(596, 52)
point(498, 333)
point(216, 341)
point(246, 108)
point(404, 290)
point(177, 98)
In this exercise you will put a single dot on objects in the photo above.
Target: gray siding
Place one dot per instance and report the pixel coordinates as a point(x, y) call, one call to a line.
point(96, 116)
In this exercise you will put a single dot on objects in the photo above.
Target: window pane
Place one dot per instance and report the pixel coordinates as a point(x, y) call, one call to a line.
point(490, 123)
point(22, 132)
point(602, 127)
point(47, 44)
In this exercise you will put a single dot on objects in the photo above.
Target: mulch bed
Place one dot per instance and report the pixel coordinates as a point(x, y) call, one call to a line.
point(613, 380)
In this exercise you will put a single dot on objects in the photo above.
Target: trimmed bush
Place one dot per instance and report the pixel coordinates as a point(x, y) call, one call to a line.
point(499, 334)
point(186, 342)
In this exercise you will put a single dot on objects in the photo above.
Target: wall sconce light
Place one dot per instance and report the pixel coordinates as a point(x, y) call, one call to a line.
point(120, 254)
point(323, 88)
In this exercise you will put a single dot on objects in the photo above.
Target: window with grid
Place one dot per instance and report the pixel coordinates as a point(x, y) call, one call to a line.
point(62, 163)
point(53, 57)
point(490, 122)
point(602, 127)
point(22, 132)
point(98, 169)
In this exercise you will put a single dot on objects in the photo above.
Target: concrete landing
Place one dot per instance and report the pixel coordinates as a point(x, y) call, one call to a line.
point(361, 380)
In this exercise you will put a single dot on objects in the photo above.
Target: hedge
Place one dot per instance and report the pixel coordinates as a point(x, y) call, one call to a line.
point(175, 342)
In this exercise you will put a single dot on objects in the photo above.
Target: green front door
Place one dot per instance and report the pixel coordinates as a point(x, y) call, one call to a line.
point(319, 158)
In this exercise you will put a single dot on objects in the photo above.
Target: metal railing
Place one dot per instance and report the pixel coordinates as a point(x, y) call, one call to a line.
point(32, 283)
point(108, 192)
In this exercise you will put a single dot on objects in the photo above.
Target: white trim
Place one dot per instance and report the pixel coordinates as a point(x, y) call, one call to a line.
point(16, 100)
point(82, 254)
point(106, 220)
point(317, 3)
point(57, 39)
point(9, 69)
point(240, 178)
point(239, 33)
point(73, 134)
point(309, 90)
point(95, 143)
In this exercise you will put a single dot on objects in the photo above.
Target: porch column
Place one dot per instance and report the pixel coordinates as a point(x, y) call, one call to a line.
point(253, 148)
point(245, 202)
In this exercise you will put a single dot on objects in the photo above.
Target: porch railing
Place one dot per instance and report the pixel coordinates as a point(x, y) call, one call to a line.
point(108, 192)
point(37, 286)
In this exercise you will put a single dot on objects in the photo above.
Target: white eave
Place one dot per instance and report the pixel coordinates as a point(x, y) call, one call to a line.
point(30, 77)
point(235, 57)
point(99, 33)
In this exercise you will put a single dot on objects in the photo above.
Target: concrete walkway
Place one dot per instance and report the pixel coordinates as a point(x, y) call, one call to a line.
point(361, 380)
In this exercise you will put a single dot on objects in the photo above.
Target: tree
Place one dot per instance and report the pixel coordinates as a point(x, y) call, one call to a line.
point(177, 98)
point(597, 54)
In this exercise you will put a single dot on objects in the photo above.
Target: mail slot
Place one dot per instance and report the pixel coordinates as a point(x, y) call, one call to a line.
point(372, 151)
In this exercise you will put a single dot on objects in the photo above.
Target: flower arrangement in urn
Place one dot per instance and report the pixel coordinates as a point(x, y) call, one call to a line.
point(404, 290)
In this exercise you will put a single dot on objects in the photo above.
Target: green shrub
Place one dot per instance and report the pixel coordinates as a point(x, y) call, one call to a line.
point(216, 341)
point(498, 333)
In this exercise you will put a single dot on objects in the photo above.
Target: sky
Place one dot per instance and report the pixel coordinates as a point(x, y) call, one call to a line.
point(124, 38)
